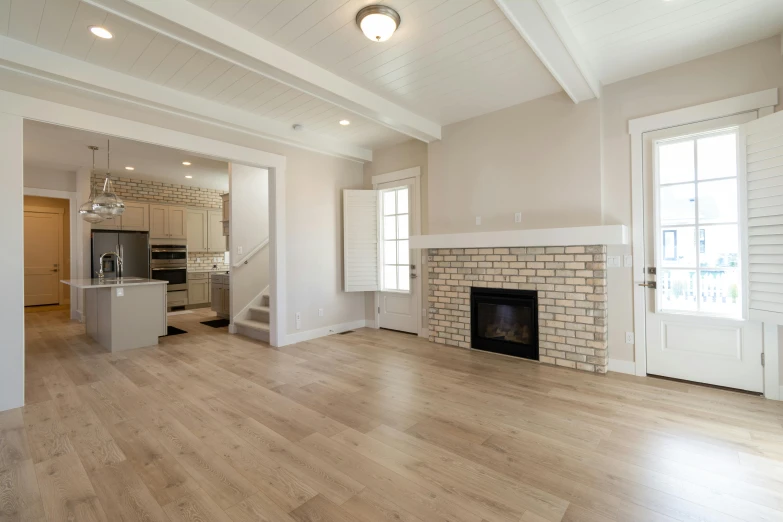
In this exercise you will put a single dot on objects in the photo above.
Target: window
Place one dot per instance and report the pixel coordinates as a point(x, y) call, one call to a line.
point(698, 224)
point(395, 231)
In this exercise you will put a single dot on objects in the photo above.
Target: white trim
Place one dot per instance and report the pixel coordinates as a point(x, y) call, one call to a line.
point(400, 175)
point(772, 388)
point(413, 172)
point(622, 366)
point(25, 107)
point(546, 31)
point(250, 254)
point(77, 74)
point(597, 235)
point(75, 228)
point(188, 23)
point(315, 333)
point(636, 128)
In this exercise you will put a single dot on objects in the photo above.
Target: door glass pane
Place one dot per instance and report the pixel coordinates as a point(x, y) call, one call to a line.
point(389, 227)
point(388, 203)
point(402, 227)
point(720, 291)
point(719, 246)
point(405, 278)
point(676, 162)
point(402, 201)
point(718, 201)
point(678, 247)
point(677, 290)
point(390, 277)
point(389, 252)
point(678, 204)
point(404, 253)
point(717, 156)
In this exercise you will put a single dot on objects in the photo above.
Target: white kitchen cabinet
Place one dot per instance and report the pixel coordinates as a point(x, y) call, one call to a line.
point(136, 216)
point(168, 222)
point(198, 291)
point(221, 295)
point(198, 228)
point(216, 241)
point(112, 223)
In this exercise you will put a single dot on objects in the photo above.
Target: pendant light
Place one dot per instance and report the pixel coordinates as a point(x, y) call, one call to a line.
point(107, 203)
point(86, 211)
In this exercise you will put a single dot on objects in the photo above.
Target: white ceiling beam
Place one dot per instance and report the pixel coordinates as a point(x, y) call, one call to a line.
point(190, 24)
point(57, 68)
point(546, 31)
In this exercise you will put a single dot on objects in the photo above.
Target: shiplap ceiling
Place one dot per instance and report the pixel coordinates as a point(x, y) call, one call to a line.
point(450, 59)
point(64, 149)
point(61, 26)
point(625, 38)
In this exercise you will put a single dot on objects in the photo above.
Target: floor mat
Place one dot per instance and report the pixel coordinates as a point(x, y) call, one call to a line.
point(217, 323)
point(173, 330)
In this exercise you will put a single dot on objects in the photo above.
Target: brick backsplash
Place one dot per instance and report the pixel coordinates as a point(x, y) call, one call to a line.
point(571, 286)
point(157, 192)
point(206, 260)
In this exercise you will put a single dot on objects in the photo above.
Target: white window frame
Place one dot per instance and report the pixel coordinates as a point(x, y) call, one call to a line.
point(764, 102)
point(741, 211)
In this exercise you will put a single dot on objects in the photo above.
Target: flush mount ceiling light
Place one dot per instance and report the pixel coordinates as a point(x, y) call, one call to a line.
point(130, 168)
point(101, 32)
point(189, 177)
point(378, 22)
point(345, 122)
point(186, 163)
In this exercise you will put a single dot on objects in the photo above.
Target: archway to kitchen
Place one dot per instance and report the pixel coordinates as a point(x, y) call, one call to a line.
point(15, 110)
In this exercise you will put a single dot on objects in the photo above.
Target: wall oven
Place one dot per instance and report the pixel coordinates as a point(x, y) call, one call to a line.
point(170, 263)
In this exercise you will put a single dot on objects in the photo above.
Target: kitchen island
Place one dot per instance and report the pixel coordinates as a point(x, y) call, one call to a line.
point(125, 313)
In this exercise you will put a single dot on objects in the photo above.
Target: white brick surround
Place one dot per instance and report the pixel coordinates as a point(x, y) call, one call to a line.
point(571, 286)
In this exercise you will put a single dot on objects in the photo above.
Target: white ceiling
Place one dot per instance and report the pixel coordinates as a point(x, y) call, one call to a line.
point(450, 59)
point(61, 148)
point(61, 26)
point(625, 38)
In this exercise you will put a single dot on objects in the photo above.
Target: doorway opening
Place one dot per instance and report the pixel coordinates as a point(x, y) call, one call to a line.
point(47, 253)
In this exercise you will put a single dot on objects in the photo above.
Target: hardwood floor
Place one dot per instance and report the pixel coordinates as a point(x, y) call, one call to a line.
point(369, 426)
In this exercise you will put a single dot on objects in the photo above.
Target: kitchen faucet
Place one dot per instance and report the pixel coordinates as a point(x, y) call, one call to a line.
point(100, 262)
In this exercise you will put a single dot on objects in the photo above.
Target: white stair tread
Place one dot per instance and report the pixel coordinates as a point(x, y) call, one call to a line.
point(255, 325)
point(260, 308)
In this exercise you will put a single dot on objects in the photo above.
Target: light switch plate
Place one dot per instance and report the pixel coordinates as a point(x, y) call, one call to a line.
point(239, 250)
point(629, 338)
point(613, 261)
point(120, 292)
point(478, 220)
point(628, 261)
point(518, 217)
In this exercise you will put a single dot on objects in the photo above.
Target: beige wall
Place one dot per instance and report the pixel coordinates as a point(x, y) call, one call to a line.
point(412, 153)
point(51, 179)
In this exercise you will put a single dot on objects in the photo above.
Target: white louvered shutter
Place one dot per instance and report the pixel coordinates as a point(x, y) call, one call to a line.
point(361, 269)
point(763, 142)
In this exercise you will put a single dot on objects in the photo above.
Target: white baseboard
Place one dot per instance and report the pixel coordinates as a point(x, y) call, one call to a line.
point(621, 366)
point(309, 335)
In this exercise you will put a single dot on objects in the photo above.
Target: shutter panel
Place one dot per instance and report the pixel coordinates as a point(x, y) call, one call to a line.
point(361, 270)
point(763, 142)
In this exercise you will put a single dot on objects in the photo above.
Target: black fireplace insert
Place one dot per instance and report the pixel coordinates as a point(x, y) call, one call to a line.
point(504, 321)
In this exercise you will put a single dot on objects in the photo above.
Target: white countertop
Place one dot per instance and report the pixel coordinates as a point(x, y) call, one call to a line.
point(110, 283)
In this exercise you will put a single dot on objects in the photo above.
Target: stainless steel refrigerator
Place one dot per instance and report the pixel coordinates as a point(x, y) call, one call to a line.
point(133, 247)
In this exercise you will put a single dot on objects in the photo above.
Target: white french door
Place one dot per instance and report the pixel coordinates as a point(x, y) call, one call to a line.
point(696, 316)
point(399, 299)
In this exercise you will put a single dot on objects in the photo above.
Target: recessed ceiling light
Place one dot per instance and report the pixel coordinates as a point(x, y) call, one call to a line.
point(345, 122)
point(189, 177)
point(378, 22)
point(130, 168)
point(186, 163)
point(101, 32)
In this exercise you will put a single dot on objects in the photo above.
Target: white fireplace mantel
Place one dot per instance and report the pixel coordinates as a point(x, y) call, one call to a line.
point(597, 235)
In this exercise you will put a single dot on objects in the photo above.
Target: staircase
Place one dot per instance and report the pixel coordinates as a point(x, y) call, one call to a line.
point(256, 323)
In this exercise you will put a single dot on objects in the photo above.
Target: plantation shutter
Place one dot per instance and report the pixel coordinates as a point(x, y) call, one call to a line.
point(361, 272)
point(763, 143)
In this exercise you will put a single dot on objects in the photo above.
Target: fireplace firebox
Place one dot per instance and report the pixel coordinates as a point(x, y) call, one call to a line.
point(504, 321)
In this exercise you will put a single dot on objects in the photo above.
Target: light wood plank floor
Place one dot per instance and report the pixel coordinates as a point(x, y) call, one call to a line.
point(369, 426)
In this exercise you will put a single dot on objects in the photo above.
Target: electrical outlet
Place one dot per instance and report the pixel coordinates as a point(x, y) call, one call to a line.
point(628, 261)
point(120, 292)
point(478, 220)
point(298, 321)
point(629, 338)
point(320, 312)
point(518, 217)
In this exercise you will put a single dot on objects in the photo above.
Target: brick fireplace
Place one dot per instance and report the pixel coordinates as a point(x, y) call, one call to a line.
point(570, 283)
